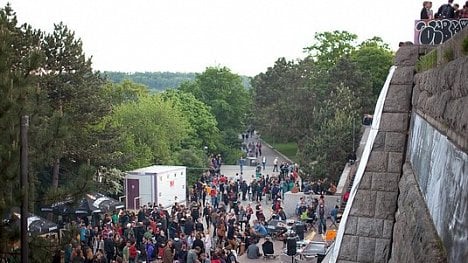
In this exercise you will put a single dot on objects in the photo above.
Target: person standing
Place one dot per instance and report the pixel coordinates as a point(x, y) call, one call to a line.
point(426, 12)
point(168, 255)
point(322, 227)
point(464, 11)
point(264, 162)
point(275, 164)
point(192, 255)
point(446, 11)
point(241, 164)
point(334, 216)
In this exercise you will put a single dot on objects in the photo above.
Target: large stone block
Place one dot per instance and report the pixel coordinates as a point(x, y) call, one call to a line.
point(395, 162)
point(379, 142)
point(456, 116)
point(370, 227)
point(377, 162)
point(382, 250)
point(387, 229)
point(385, 182)
point(395, 141)
point(349, 247)
point(364, 203)
point(406, 56)
point(366, 181)
point(403, 76)
point(385, 205)
point(351, 225)
point(394, 122)
point(366, 249)
point(398, 98)
point(460, 85)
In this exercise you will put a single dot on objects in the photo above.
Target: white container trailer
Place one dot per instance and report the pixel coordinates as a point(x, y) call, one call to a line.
point(158, 184)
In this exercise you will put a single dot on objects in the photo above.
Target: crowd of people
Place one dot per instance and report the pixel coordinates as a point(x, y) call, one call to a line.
point(214, 227)
point(223, 219)
point(445, 11)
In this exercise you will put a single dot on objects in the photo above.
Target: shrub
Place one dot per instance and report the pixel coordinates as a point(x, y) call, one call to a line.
point(427, 62)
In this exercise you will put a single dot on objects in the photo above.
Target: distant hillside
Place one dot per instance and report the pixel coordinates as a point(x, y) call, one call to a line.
point(159, 80)
point(154, 80)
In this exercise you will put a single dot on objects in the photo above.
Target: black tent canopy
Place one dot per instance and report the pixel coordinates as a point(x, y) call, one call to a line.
point(99, 203)
point(91, 203)
point(38, 225)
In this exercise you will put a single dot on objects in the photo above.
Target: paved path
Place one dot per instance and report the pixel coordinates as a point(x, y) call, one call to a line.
point(249, 174)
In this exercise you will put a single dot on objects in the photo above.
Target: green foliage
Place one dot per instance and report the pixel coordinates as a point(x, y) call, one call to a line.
point(314, 101)
point(125, 91)
point(152, 129)
point(223, 91)
point(155, 81)
point(373, 58)
point(228, 101)
point(465, 45)
point(204, 131)
point(159, 81)
point(448, 54)
point(331, 47)
point(427, 62)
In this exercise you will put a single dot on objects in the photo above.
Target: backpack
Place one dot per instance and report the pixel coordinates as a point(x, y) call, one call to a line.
point(231, 258)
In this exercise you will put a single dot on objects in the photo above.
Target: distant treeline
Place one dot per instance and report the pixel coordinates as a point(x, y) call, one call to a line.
point(159, 81)
point(154, 80)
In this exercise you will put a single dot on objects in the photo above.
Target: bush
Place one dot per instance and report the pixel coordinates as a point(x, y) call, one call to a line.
point(427, 62)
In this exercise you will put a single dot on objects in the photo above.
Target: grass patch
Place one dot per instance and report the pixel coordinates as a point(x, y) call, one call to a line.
point(465, 45)
point(289, 149)
point(448, 54)
point(427, 62)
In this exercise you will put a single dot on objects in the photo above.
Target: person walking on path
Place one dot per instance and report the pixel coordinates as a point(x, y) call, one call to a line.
point(275, 165)
point(241, 164)
point(263, 162)
point(333, 216)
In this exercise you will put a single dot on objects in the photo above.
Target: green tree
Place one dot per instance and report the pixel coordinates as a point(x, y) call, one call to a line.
point(204, 131)
point(71, 103)
point(331, 47)
point(124, 91)
point(373, 57)
point(152, 130)
point(223, 91)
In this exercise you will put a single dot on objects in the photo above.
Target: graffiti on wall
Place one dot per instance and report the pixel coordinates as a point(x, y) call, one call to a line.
point(433, 32)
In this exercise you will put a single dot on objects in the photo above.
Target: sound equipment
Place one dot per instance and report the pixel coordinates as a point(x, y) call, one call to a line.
point(291, 246)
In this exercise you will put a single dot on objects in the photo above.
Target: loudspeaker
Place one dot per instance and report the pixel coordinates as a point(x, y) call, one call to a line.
point(291, 246)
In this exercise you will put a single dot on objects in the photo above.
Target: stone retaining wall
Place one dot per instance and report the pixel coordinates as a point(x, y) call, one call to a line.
point(368, 230)
point(415, 238)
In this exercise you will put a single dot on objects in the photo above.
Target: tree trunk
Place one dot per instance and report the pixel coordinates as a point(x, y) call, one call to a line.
point(55, 173)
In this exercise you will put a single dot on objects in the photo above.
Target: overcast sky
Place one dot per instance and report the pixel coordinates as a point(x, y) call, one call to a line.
point(188, 35)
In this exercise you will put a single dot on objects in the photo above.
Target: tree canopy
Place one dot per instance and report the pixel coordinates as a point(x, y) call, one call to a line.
point(318, 100)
